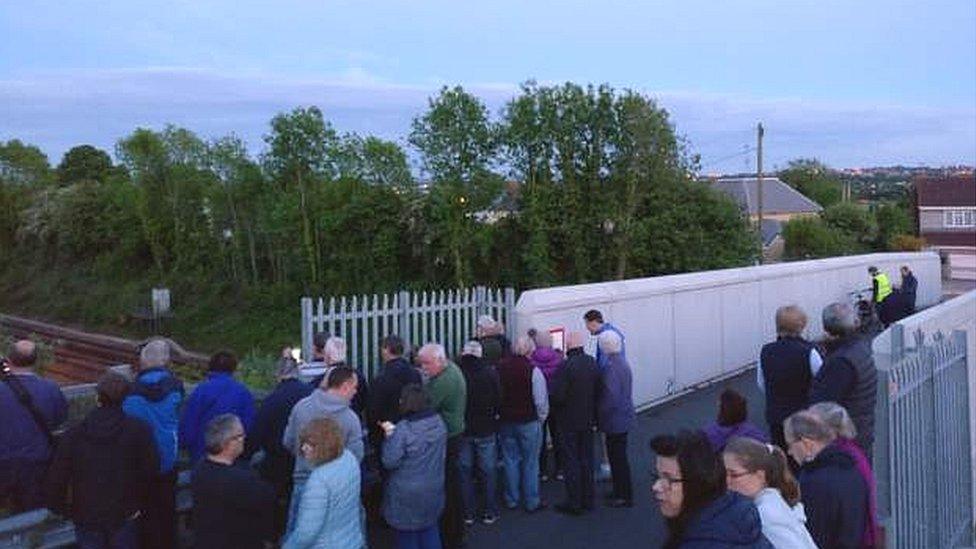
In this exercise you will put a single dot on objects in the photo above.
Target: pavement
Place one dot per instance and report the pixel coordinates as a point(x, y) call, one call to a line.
point(640, 526)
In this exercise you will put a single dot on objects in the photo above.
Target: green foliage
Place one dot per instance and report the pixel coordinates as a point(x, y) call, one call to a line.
point(854, 222)
point(603, 188)
point(906, 243)
point(811, 238)
point(893, 219)
point(257, 371)
point(84, 163)
point(814, 180)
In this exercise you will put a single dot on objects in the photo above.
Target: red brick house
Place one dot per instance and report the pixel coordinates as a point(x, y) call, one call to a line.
point(947, 219)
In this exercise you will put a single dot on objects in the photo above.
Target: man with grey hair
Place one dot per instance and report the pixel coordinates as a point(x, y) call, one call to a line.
point(155, 398)
point(30, 407)
point(848, 375)
point(448, 397)
point(479, 448)
point(231, 506)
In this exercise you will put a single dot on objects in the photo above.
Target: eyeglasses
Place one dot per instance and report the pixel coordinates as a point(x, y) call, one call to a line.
point(668, 481)
point(737, 474)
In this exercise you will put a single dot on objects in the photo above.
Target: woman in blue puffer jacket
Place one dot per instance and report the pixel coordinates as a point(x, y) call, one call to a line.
point(329, 512)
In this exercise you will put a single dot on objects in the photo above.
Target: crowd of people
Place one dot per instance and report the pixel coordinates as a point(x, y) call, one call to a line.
point(429, 446)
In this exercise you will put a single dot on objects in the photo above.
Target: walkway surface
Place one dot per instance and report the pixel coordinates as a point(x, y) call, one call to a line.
point(640, 526)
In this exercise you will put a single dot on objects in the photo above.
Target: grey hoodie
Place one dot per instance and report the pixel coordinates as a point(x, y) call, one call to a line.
point(321, 404)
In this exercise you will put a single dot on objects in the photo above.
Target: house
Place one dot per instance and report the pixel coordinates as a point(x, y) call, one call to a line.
point(946, 218)
point(781, 203)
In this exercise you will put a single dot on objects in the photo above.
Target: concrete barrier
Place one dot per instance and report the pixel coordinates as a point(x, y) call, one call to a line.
point(685, 330)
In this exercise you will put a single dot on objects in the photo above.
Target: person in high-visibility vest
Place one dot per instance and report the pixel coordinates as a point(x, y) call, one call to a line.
point(880, 285)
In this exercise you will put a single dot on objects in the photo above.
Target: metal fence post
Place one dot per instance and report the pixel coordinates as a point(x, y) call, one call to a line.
point(480, 301)
point(307, 328)
point(403, 319)
point(510, 313)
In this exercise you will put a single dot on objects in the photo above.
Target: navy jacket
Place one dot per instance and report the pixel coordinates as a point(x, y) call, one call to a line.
point(269, 426)
point(786, 374)
point(615, 405)
point(484, 397)
point(835, 498)
point(574, 392)
point(384, 394)
point(21, 439)
point(219, 394)
point(231, 507)
point(730, 521)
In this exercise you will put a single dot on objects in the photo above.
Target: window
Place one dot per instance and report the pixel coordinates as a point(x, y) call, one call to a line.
point(960, 218)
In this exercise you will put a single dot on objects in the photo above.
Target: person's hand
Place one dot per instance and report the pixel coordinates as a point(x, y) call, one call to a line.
point(387, 427)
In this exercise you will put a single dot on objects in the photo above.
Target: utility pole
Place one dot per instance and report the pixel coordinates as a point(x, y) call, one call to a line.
point(759, 184)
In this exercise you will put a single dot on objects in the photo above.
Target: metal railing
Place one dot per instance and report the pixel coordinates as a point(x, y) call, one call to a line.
point(924, 464)
point(447, 317)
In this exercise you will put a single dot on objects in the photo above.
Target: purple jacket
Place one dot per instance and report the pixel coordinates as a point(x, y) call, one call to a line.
point(548, 361)
point(719, 435)
point(872, 536)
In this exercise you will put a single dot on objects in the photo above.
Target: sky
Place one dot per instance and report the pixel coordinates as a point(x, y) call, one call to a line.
point(854, 84)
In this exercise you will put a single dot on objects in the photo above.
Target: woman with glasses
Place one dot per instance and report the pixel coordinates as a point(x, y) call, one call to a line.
point(689, 487)
point(329, 512)
point(759, 471)
point(833, 492)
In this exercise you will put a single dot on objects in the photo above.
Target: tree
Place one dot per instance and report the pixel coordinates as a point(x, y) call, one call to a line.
point(22, 164)
point(810, 237)
point(302, 155)
point(854, 222)
point(84, 163)
point(814, 180)
point(458, 147)
point(892, 219)
point(373, 161)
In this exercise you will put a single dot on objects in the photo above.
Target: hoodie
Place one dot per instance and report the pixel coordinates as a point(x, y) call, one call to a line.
point(836, 499)
point(155, 398)
point(729, 521)
point(101, 469)
point(547, 360)
point(719, 435)
point(414, 455)
point(219, 394)
point(321, 404)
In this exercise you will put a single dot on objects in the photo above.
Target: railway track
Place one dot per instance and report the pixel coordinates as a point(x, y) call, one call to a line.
point(81, 357)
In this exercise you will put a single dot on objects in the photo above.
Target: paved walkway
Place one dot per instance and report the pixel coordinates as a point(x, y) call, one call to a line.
point(640, 526)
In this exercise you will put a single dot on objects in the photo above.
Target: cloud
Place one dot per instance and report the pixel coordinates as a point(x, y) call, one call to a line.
point(57, 110)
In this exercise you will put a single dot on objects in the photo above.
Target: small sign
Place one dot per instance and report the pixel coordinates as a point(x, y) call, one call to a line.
point(558, 339)
point(160, 301)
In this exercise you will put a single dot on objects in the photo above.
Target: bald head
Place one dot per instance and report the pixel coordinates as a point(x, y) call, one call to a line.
point(575, 340)
point(23, 354)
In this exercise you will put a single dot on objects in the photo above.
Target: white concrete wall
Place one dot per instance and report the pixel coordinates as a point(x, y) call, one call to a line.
point(958, 313)
point(682, 330)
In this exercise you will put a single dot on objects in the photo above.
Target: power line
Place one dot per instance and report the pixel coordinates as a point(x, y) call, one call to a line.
point(744, 151)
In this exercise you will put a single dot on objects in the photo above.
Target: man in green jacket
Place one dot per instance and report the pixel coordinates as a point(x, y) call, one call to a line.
point(448, 397)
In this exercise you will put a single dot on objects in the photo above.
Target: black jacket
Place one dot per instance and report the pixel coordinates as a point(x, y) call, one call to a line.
point(484, 392)
point(384, 394)
point(101, 469)
point(574, 392)
point(232, 507)
point(269, 426)
point(849, 378)
point(835, 499)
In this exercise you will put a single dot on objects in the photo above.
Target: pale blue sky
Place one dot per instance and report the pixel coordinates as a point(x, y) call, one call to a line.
point(854, 83)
